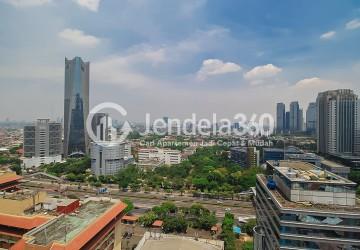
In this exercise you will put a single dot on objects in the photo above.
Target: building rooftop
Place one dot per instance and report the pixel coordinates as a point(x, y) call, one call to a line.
point(303, 156)
point(346, 156)
point(333, 164)
point(6, 177)
point(65, 228)
point(299, 171)
point(158, 223)
point(20, 195)
point(130, 218)
point(60, 202)
point(288, 150)
point(23, 222)
point(286, 204)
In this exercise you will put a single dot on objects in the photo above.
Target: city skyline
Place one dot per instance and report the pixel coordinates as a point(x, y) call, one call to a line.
point(217, 60)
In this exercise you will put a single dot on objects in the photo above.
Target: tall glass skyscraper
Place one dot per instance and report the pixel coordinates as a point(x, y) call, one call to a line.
point(280, 118)
point(296, 117)
point(311, 118)
point(76, 106)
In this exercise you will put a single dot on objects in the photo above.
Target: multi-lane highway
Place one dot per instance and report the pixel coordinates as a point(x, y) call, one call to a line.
point(144, 201)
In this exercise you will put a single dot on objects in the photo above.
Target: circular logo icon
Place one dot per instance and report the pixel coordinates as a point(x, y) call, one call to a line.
point(125, 129)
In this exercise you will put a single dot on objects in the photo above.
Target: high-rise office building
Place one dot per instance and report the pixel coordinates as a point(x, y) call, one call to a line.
point(245, 156)
point(336, 121)
point(42, 143)
point(102, 127)
point(300, 121)
point(300, 206)
point(287, 121)
point(280, 118)
point(296, 118)
point(311, 118)
point(357, 128)
point(76, 106)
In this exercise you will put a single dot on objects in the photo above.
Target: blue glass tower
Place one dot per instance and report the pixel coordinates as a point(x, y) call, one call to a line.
point(76, 107)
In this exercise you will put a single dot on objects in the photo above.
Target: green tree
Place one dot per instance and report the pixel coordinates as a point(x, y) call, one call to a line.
point(176, 224)
point(248, 226)
point(16, 168)
point(206, 221)
point(248, 245)
point(200, 183)
point(130, 205)
point(147, 219)
point(354, 176)
point(227, 231)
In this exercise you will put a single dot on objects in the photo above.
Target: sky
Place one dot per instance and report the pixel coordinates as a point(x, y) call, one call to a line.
point(177, 57)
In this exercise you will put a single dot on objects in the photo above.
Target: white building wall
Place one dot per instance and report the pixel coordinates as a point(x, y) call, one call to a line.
point(332, 127)
point(108, 158)
point(169, 156)
point(38, 161)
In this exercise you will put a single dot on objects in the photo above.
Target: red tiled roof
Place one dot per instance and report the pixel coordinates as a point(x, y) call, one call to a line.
point(158, 223)
point(10, 179)
point(20, 151)
point(214, 228)
point(24, 222)
point(130, 218)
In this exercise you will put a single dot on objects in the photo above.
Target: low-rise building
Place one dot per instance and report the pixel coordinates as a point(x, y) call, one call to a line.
point(95, 225)
point(9, 180)
point(18, 215)
point(335, 168)
point(277, 154)
point(169, 156)
point(63, 224)
point(348, 159)
point(107, 158)
point(305, 157)
point(301, 206)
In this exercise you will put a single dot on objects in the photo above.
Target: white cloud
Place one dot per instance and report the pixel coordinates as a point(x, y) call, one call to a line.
point(26, 3)
point(146, 53)
point(328, 35)
point(259, 73)
point(216, 67)
point(92, 5)
point(353, 24)
point(78, 37)
point(306, 90)
point(312, 83)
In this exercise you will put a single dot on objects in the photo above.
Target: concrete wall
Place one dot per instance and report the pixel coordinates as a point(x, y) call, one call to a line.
point(321, 197)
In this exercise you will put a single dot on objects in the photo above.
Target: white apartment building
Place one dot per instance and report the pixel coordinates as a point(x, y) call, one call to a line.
point(108, 158)
point(169, 156)
point(107, 155)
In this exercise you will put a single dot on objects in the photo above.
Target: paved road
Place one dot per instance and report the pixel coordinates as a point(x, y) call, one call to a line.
point(144, 201)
